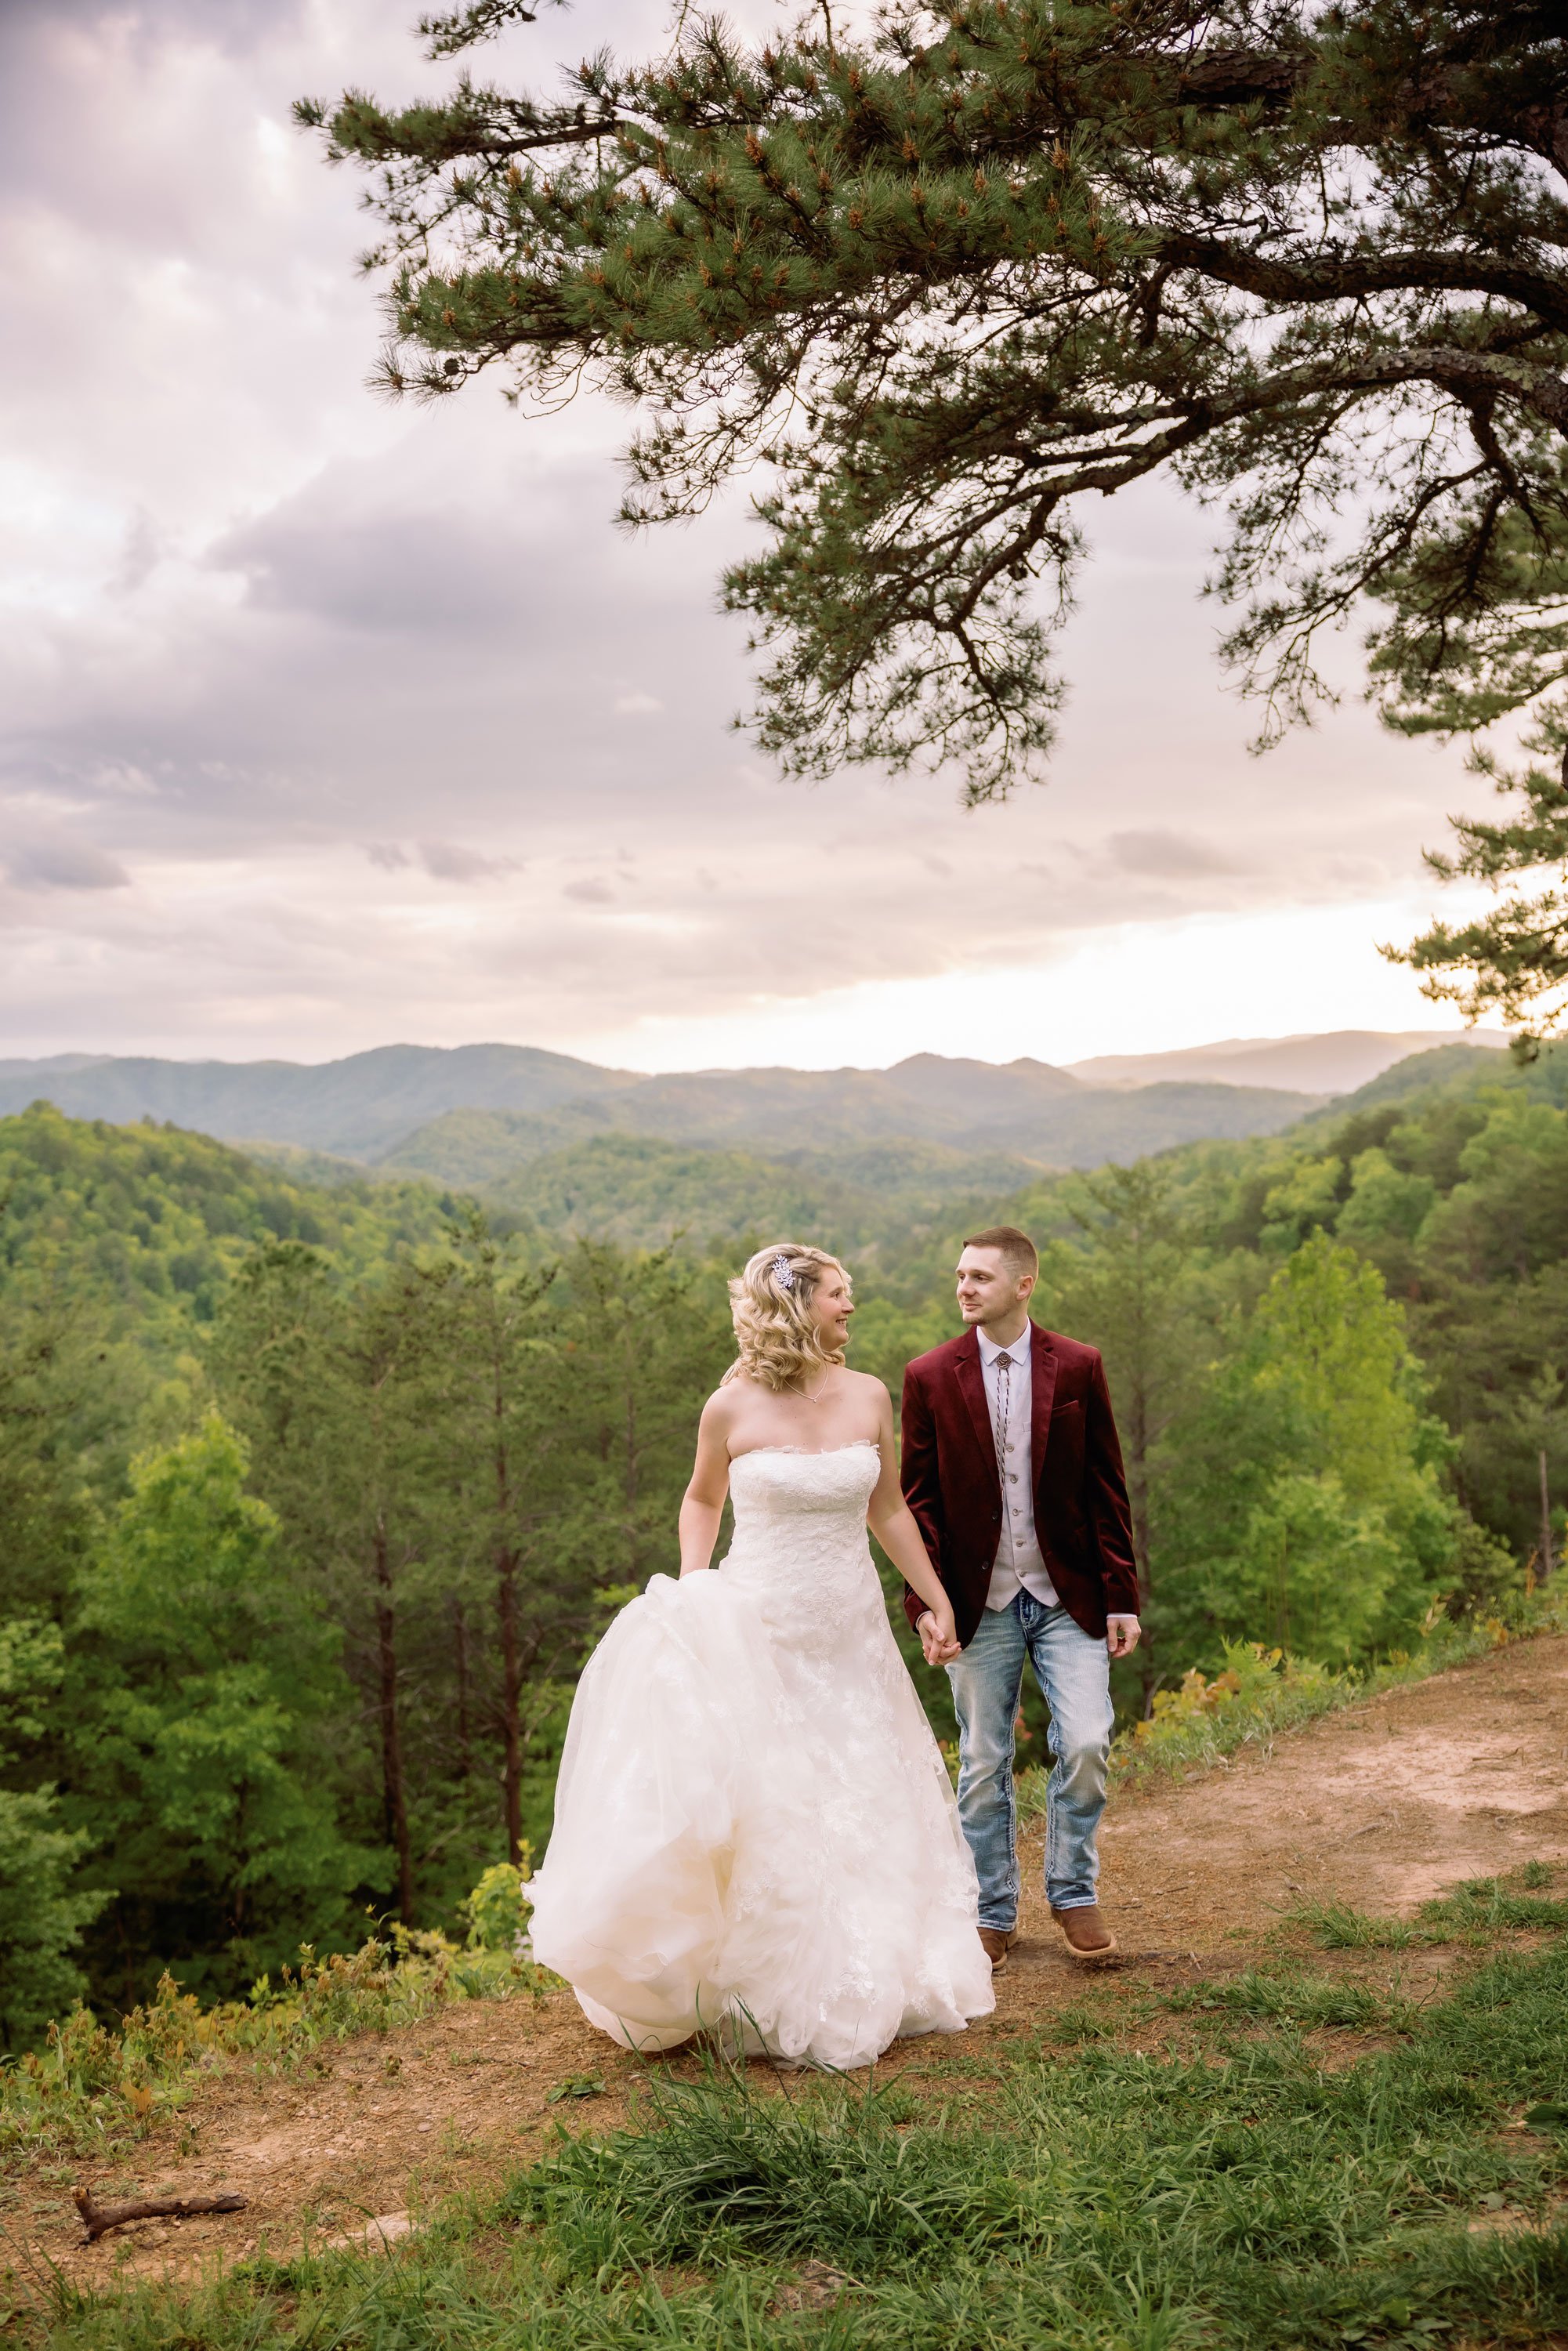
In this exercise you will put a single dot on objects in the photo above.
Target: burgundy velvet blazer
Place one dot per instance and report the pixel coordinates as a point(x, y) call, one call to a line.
point(953, 1485)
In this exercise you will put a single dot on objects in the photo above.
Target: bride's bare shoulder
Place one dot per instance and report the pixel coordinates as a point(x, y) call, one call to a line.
point(867, 1383)
point(726, 1402)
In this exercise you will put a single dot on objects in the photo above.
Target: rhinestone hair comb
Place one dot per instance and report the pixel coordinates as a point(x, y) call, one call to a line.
point(783, 1272)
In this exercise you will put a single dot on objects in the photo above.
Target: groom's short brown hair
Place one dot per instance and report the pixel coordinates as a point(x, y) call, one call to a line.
point(1016, 1250)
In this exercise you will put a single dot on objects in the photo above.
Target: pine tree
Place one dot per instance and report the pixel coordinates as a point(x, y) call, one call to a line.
point(650, 1337)
point(500, 1391)
point(956, 280)
point(326, 1381)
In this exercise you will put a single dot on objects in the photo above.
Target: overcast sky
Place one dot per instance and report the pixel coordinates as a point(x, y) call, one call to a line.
point(328, 724)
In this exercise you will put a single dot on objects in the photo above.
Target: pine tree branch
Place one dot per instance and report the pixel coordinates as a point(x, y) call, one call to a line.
point(1006, 255)
point(1353, 278)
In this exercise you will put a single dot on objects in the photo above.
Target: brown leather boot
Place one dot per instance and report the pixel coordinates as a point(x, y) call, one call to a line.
point(996, 1942)
point(1088, 1936)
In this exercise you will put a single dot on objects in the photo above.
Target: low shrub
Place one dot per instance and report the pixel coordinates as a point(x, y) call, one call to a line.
point(96, 2087)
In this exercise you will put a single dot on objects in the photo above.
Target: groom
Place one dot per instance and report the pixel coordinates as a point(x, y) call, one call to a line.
point(1013, 1472)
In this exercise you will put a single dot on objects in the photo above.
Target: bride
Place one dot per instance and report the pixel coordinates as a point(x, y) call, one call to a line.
point(754, 1831)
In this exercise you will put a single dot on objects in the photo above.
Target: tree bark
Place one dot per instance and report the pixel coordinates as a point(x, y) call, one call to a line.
point(1546, 1559)
point(465, 1730)
point(511, 1698)
point(1139, 1497)
point(511, 1645)
point(394, 1795)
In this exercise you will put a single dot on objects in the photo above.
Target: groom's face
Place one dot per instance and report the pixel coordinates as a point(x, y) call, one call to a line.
point(988, 1292)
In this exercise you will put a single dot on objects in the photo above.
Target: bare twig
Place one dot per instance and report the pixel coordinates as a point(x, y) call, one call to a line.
point(96, 2219)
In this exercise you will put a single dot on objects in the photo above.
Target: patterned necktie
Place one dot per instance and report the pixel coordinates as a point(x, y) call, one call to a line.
point(1004, 1412)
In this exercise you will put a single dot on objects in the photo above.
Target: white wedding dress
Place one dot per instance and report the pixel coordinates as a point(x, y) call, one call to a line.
point(754, 1831)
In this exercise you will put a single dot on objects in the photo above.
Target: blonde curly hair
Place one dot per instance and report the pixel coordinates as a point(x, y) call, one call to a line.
point(770, 1304)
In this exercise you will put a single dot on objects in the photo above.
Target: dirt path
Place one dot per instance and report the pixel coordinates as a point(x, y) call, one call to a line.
point(1465, 1775)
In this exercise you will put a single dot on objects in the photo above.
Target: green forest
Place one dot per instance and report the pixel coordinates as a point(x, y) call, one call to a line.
point(315, 1495)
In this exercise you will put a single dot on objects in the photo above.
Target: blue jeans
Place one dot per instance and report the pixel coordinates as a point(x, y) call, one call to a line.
point(1073, 1670)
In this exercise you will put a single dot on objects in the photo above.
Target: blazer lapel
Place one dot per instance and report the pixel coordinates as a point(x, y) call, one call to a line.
point(971, 1382)
point(1042, 1386)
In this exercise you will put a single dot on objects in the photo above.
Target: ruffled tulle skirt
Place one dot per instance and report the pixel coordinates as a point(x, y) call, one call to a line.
point(755, 1842)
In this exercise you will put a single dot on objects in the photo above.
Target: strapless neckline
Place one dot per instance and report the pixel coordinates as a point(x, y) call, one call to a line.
point(811, 1452)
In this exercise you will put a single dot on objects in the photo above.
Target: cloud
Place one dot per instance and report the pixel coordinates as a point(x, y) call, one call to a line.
point(416, 574)
point(444, 860)
point(271, 642)
point(449, 861)
point(64, 865)
point(1174, 856)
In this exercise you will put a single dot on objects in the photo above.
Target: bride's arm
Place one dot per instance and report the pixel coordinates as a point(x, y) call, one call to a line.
point(891, 1520)
point(702, 1507)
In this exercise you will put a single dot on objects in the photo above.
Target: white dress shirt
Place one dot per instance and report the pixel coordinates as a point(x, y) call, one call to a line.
point(1009, 1401)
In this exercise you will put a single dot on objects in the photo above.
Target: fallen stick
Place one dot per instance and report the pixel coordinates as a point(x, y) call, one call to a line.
point(98, 2218)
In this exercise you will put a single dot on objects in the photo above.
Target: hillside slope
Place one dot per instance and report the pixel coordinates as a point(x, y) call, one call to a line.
point(641, 1191)
point(781, 1113)
point(155, 1221)
point(1378, 1807)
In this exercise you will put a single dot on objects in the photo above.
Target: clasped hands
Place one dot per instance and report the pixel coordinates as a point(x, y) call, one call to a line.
point(939, 1637)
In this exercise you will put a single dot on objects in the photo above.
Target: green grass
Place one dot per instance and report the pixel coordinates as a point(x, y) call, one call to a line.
point(1287, 1997)
point(1232, 2195)
point(1476, 1913)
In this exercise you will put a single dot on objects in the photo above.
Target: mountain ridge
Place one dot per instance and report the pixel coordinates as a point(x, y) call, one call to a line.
point(1333, 1061)
point(642, 1190)
point(474, 1113)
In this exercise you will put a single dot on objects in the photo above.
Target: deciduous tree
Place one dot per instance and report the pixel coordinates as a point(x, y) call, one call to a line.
point(44, 1906)
point(210, 1689)
point(1132, 1277)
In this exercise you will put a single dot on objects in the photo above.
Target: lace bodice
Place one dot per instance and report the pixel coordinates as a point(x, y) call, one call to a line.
point(800, 1545)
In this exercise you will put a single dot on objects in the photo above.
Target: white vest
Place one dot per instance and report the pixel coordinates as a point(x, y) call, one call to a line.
point(1019, 1562)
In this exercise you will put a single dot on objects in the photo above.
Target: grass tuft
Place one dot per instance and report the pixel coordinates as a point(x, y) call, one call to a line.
point(1477, 1912)
point(1286, 1997)
point(730, 2170)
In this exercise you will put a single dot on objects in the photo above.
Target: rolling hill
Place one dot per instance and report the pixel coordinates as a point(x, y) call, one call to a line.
point(472, 1114)
point(900, 1140)
point(783, 1112)
point(885, 1199)
point(357, 1107)
point(643, 1192)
